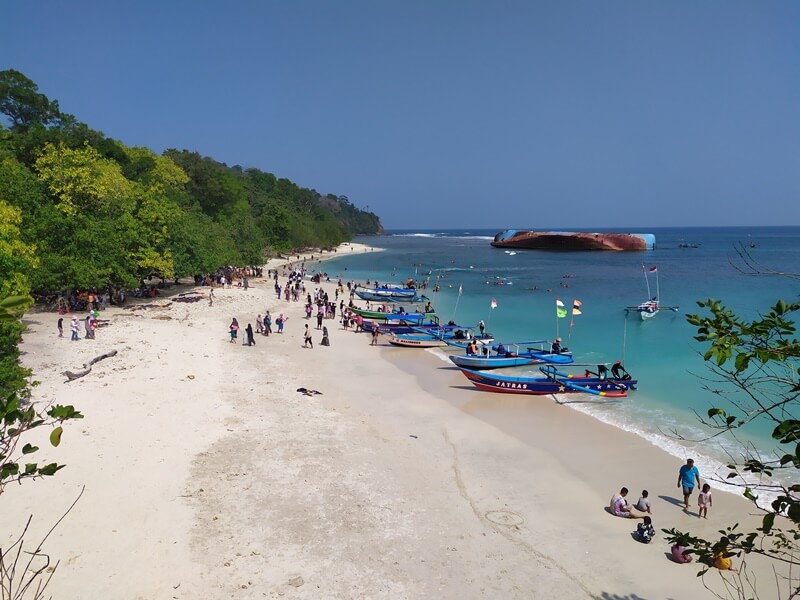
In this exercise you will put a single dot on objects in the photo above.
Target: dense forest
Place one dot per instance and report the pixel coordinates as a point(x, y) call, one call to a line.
point(80, 210)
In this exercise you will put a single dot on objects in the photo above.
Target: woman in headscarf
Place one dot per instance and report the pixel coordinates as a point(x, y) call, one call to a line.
point(249, 331)
point(234, 327)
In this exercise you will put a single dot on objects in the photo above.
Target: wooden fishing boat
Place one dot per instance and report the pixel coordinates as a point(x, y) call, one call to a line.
point(515, 354)
point(386, 293)
point(436, 337)
point(400, 325)
point(553, 381)
point(379, 315)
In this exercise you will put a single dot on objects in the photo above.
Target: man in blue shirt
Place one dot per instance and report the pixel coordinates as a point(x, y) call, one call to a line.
point(688, 477)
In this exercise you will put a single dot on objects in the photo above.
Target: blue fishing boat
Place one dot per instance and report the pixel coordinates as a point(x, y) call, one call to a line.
point(553, 381)
point(401, 324)
point(514, 354)
point(388, 294)
point(438, 336)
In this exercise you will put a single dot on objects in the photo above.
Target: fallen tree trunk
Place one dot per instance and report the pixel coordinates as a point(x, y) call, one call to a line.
point(87, 367)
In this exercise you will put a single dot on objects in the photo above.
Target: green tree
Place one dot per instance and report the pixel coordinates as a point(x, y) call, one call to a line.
point(22, 103)
point(755, 368)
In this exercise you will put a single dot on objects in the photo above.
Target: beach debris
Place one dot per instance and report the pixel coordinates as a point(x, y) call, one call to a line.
point(87, 367)
point(190, 297)
point(411, 435)
point(306, 392)
point(296, 581)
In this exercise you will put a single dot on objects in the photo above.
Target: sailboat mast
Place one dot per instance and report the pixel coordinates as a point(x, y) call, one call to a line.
point(647, 281)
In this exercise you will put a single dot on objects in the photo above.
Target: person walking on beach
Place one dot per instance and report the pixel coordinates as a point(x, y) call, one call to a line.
point(74, 328)
point(688, 477)
point(234, 329)
point(249, 331)
point(325, 339)
point(307, 338)
point(375, 333)
point(267, 324)
point(60, 326)
point(211, 297)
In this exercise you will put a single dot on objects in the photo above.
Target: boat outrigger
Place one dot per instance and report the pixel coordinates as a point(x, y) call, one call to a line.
point(514, 354)
point(554, 381)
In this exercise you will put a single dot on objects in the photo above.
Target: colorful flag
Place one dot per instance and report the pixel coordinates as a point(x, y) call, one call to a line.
point(460, 286)
point(653, 269)
point(561, 312)
point(576, 305)
point(493, 304)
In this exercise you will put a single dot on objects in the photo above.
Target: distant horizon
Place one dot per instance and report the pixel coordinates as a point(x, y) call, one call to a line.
point(584, 229)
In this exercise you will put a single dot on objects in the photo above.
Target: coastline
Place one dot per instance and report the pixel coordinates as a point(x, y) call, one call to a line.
point(209, 475)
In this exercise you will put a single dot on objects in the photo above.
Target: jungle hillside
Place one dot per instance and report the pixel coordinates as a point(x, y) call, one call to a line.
point(82, 210)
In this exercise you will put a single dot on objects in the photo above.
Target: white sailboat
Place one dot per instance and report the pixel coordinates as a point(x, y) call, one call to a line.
point(650, 307)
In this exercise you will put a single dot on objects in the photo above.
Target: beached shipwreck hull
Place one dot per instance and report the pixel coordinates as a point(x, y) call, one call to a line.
point(570, 240)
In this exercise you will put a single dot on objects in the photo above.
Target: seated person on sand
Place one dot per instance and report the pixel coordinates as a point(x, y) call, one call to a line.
point(644, 531)
point(620, 508)
point(679, 552)
point(643, 503)
point(722, 556)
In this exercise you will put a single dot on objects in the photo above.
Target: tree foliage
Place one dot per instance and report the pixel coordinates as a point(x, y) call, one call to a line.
point(104, 214)
point(756, 370)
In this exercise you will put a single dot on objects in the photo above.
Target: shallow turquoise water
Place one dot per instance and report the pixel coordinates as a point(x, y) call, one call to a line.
point(660, 352)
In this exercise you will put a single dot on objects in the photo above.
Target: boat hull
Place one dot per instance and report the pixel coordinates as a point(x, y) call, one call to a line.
point(508, 384)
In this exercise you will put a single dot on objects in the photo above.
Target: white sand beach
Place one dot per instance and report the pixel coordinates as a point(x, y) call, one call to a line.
point(208, 475)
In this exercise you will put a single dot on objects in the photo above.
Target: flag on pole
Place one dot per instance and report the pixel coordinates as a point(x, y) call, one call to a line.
point(653, 269)
point(561, 311)
point(460, 286)
point(576, 306)
point(493, 303)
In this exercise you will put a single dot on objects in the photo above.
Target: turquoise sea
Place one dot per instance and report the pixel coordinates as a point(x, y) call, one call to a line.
point(661, 352)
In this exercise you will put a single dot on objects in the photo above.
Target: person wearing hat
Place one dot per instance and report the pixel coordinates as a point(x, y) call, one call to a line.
point(556, 347)
point(74, 328)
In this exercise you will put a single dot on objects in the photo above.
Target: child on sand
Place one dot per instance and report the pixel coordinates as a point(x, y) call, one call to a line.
point(645, 531)
point(704, 501)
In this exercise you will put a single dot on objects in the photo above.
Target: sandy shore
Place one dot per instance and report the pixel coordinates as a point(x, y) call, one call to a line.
point(208, 475)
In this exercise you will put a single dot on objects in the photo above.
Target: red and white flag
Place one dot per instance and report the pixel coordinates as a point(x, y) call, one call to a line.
point(493, 304)
point(576, 307)
point(653, 269)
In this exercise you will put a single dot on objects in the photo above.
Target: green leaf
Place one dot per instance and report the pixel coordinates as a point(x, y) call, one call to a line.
point(50, 469)
point(55, 436)
point(30, 468)
point(28, 449)
point(9, 470)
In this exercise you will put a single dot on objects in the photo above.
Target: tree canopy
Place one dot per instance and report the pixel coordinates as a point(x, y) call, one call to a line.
point(100, 213)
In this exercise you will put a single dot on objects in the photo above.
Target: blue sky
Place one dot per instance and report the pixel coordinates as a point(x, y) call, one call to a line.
point(451, 113)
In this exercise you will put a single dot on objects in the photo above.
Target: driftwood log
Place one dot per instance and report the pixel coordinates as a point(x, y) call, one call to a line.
point(87, 367)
